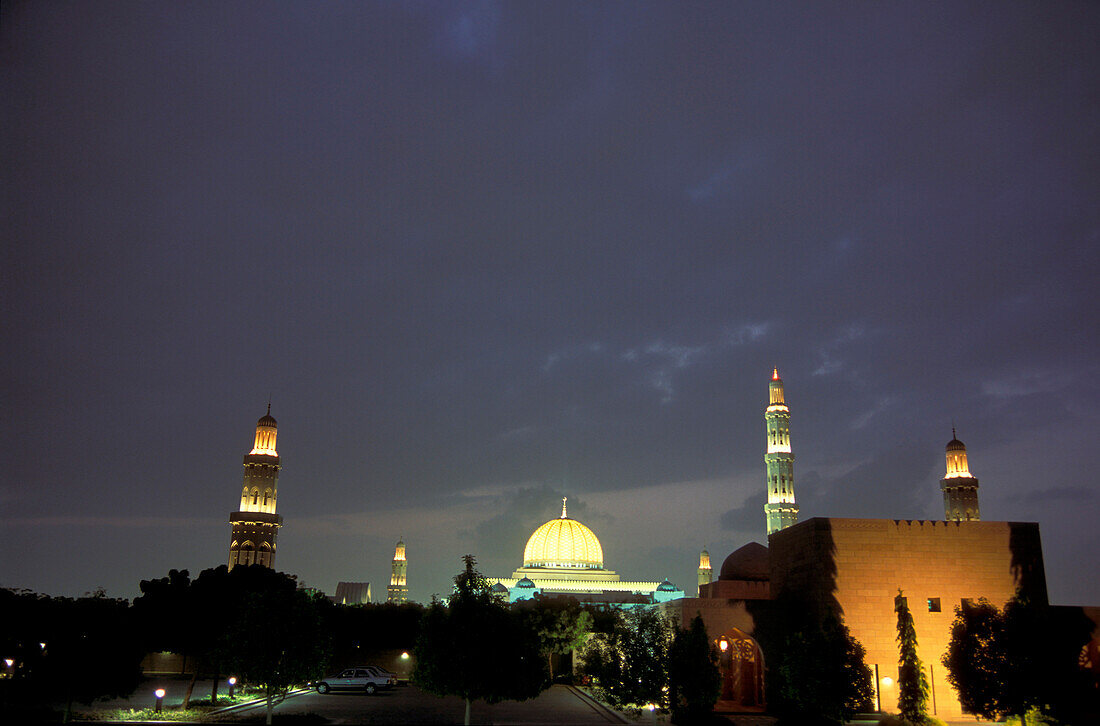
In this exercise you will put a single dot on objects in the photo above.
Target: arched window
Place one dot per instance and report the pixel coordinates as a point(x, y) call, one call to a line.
point(248, 553)
point(267, 496)
point(255, 495)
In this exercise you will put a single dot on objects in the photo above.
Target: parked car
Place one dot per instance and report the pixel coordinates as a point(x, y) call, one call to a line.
point(367, 679)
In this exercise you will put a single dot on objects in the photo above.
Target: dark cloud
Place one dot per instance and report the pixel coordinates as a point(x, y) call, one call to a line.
point(748, 516)
point(511, 248)
point(1078, 495)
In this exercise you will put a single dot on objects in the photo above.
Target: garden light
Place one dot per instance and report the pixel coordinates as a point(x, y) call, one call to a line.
point(159, 693)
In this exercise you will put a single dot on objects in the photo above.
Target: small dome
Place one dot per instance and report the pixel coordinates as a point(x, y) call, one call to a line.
point(667, 586)
point(526, 582)
point(563, 542)
point(747, 563)
point(498, 588)
point(267, 419)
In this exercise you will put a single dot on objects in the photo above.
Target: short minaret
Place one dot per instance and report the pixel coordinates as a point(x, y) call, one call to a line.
point(704, 571)
point(398, 591)
point(960, 489)
point(781, 509)
point(256, 524)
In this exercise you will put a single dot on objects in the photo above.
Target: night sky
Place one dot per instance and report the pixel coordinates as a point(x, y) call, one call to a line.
point(480, 256)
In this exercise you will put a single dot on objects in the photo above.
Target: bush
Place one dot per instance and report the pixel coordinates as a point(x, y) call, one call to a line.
point(893, 719)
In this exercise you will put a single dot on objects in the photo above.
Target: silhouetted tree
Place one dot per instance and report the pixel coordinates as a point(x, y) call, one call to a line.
point(1007, 662)
point(629, 664)
point(816, 670)
point(477, 648)
point(912, 682)
point(276, 634)
point(694, 680)
point(76, 650)
point(560, 623)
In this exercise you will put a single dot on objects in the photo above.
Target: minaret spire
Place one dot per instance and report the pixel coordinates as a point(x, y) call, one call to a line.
point(781, 510)
point(255, 524)
point(705, 572)
point(959, 486)
point(398, 591)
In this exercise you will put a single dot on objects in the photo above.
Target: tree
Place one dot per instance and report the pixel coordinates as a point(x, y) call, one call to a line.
point(77, 650)
point(476, 648)
point(276, 634)
point(694, 680)
point(1022, 658)
point(912, 682)
point(560, 623)
point(975, 657)
point(816, 670)
point(629, 664)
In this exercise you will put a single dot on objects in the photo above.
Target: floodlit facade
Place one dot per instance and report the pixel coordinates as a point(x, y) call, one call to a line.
point(564, 557)
point(855, 567)
point(255, 525)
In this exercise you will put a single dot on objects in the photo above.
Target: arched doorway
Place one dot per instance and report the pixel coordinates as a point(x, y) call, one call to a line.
point(742, 666)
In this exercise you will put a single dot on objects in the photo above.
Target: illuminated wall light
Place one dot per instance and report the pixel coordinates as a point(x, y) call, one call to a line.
point(887, 681)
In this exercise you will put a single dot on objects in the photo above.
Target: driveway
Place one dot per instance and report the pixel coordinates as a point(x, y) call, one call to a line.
point(408, 704)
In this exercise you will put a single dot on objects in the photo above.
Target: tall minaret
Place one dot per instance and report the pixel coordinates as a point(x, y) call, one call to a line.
point(960, 489)
point(256, 525)
point(781, 510)
point(398, 591)
point(704, 571)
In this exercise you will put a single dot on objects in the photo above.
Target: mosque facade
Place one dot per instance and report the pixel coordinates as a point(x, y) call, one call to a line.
point(855, 567)
point(563, 557)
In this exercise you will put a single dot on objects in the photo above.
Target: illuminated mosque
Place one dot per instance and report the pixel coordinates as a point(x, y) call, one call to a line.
point(564, 558)
point(855, 567)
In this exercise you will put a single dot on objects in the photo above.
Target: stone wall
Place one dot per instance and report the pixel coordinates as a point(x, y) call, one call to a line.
point(858, 565)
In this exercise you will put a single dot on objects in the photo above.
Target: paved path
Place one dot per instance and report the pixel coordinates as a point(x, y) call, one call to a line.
point(408, 704)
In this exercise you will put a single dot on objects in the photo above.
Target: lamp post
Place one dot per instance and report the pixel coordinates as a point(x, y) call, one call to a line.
point(159, 693)
point(232, 683)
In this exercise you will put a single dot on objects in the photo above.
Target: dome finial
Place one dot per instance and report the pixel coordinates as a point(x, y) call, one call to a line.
point(563, 507)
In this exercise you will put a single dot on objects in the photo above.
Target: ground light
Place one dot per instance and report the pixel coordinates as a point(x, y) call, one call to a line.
point(405, 656)
point(232, 682)
point(159, 693)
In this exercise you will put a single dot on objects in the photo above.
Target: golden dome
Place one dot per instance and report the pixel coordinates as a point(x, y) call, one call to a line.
point(563, 542)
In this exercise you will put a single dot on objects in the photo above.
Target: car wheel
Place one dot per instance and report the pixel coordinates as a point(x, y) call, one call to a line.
point(322, 688)
point(370, 689)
